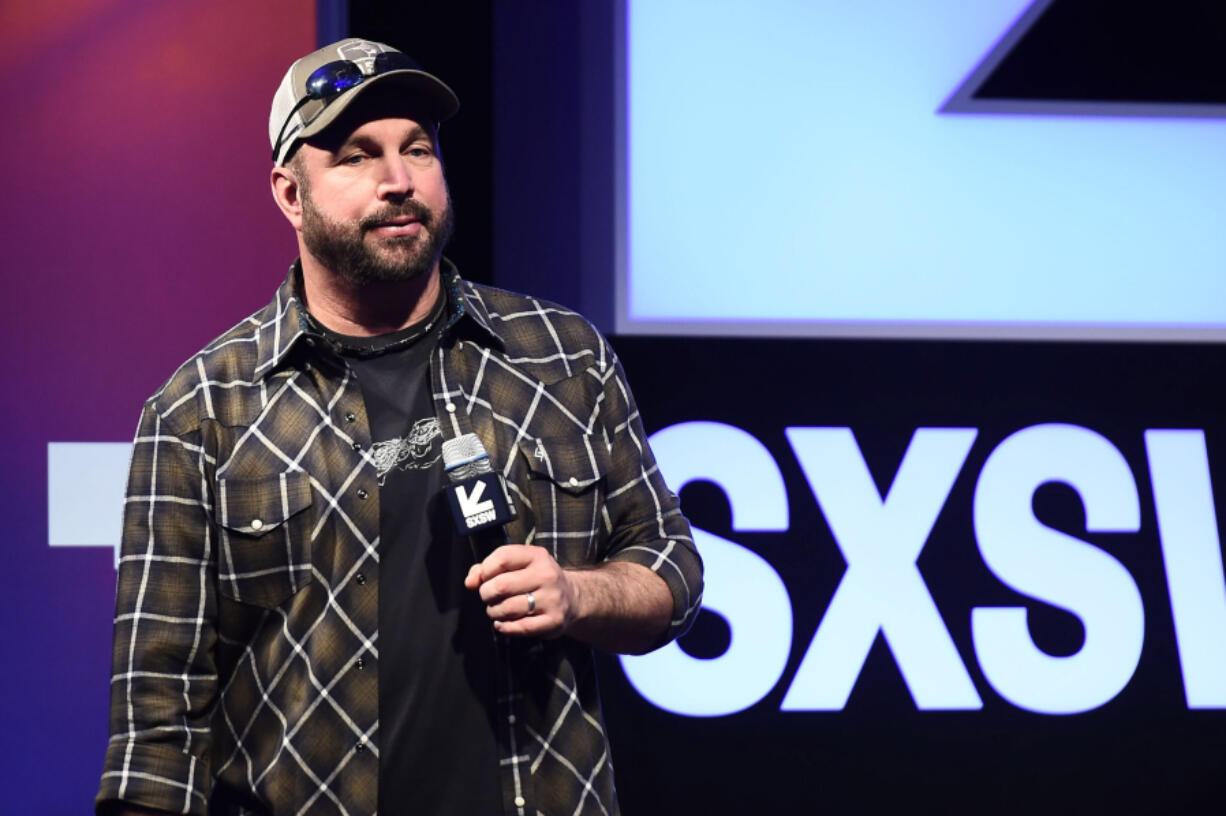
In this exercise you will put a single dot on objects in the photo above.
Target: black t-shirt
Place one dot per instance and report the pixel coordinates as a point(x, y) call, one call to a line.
point(438, 752)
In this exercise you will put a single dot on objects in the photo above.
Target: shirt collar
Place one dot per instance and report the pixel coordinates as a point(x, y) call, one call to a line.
point(285, 323)
point(465, 307)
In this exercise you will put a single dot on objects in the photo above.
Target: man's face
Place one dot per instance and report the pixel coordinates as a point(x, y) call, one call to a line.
point(375, 206)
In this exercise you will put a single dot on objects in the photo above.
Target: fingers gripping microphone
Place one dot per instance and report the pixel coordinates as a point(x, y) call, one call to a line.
point(477, 495)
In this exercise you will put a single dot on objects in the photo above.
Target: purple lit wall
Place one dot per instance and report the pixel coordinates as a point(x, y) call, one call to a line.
point(137, 225)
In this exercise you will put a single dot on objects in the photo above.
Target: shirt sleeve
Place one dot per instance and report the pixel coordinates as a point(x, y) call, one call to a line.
point(163, 676)
point(643, 516)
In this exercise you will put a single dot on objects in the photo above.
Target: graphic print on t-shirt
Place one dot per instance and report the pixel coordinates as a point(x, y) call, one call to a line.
point(417, 451)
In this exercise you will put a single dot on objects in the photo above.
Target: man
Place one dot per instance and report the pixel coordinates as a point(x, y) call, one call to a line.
point(300, 627)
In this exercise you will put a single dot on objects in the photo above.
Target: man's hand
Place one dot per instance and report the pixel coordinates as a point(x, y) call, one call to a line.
point(504, 581)
point(616, 606)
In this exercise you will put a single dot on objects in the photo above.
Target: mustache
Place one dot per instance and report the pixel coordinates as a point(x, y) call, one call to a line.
point(413, 209)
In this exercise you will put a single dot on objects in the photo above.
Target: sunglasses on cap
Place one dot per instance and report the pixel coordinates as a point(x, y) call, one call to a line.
point(334, 78)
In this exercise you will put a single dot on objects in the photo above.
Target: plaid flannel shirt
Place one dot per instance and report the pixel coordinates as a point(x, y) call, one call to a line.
point(246, 629)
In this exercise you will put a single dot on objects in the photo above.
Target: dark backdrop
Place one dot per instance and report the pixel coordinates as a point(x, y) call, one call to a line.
point(531, 162)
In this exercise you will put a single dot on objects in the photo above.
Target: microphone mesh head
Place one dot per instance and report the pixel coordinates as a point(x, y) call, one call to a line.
point(463, 450)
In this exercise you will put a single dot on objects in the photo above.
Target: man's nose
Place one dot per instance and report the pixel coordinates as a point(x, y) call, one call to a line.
point(396, 181)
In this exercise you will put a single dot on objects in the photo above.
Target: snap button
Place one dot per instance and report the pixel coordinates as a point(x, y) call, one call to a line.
point(357, 446)
point(451, 407)
point(362, 493)
point(349, 417)
point(360, 578)
point(574, 482)
point(519, 801)
point(256, 524)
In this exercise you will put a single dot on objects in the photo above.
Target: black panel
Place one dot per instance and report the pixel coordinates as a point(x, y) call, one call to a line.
point(1143, 752)
point(1118, 51)
point(529, 140)
point(453, 41)
point(554, 160)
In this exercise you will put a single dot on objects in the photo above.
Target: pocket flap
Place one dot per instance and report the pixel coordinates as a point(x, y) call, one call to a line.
point(574, 463)
point(256, 506)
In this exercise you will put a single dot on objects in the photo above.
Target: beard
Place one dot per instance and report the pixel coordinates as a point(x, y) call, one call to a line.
point(342, 246)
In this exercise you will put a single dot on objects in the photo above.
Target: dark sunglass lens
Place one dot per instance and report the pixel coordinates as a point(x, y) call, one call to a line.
point(333, 78)
point(394, 61)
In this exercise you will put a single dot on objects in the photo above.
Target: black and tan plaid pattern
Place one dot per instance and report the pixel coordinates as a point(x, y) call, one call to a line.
point(246, 648)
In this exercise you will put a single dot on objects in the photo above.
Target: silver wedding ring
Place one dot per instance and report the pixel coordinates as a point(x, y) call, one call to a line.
point(531, 603)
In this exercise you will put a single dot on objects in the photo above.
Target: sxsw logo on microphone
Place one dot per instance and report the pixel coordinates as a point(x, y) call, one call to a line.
point(475, 511)
point(479, 502)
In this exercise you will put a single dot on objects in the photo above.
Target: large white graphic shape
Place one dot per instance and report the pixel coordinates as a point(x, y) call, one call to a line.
point(1058, 569)
point(740, 585)
point(819, 158)
point(1192, 554)
point(882, 589)
point(85, 487)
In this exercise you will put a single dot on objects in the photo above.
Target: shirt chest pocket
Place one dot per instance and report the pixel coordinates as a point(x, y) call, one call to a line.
point(265, 537)
point(567, 488)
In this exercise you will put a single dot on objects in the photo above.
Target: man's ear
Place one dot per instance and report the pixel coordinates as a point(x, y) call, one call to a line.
point(287, 193)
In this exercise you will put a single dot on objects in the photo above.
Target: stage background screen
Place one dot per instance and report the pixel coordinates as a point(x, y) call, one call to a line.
point(828, 168)
point(937, 487)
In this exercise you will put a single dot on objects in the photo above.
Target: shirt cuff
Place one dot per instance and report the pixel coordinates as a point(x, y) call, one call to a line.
point(153, 776)
point(676, 561)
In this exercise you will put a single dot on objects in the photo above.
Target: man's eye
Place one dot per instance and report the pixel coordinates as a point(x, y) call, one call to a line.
point(356, 158)
point(420, 152)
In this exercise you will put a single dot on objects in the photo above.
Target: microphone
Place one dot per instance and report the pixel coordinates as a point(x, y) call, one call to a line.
point(478, 496)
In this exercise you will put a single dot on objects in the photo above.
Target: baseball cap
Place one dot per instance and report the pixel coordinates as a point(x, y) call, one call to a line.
point(319, 86)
